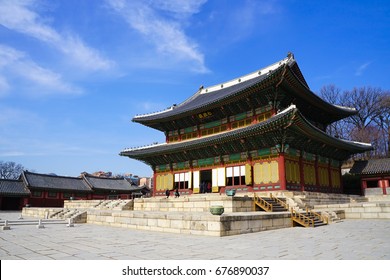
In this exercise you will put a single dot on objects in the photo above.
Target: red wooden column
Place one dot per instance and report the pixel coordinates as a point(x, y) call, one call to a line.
point(340, 179)
point(364, 186)
point(282, 171)
point(317, 173)
point(301, 174)
point(154, 182)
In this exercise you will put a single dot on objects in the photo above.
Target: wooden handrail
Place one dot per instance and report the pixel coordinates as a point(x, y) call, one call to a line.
point(281, 202)
point(306, 220)
point(319, 216)
point(259, 200)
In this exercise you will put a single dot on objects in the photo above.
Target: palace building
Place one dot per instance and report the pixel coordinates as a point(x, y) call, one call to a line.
point(264, 131)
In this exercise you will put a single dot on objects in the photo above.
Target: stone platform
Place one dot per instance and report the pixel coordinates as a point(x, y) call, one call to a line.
point(184, 215)
point(197, 223)
point(191, 214)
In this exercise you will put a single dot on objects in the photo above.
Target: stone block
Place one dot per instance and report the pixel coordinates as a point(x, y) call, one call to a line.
point(152, 222)
point(239, 225)
point(350, 215)
point(384, 215)
point(198, 225)
point(163, 223)
point(214, 226)
point(369, 215)
point(278, 222)
point(180, 224)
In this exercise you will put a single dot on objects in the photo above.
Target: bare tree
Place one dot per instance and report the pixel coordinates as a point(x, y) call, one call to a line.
point(371, 124)
point(334, 95)
point(383, 121)
point(10, 170)
point(367, 102)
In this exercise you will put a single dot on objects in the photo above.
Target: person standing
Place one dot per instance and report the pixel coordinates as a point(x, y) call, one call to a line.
point(167, 193)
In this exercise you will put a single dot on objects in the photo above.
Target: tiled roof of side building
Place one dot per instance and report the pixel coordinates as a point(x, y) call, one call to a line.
point(54, 182)
point(371, 166)
point(13, 188)
point(116, 184)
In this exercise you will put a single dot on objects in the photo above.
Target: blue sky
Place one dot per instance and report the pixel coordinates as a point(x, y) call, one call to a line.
point(73, 73)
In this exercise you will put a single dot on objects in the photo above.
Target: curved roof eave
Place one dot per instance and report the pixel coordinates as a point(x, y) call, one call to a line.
point(290, 114)
point(342, 143)
point(313, 98)
point(207, 140)
point(213, 94)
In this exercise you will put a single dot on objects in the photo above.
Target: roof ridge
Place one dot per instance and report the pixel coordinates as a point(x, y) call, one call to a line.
point(249, 76)
point(202, 90)
point(50, 175)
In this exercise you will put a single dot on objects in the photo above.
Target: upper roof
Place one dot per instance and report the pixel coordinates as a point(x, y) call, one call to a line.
point(284, 73)
point(13, 188)
point(54, 182)
point(114, 184)
point(371, 167)
point(289, 126)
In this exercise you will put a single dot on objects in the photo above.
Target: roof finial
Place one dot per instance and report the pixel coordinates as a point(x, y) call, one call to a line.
point(290, 55)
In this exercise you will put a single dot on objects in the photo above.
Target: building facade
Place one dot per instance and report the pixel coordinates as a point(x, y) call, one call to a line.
point(374, 175)
point(264, 131)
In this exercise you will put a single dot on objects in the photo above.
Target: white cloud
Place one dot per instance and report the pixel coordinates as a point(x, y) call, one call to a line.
point(359, 71)
point(165, 32)
point(16, 65)
point(179, 7)
point(19, 15)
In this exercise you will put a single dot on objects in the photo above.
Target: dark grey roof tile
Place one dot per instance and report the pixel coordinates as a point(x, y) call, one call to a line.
point(13, 188)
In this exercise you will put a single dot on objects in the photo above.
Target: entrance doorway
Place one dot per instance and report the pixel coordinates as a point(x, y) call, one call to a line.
point(205, 181)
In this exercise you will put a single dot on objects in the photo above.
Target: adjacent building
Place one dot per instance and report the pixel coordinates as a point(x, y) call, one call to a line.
point(43, 190)
point(264, 131)
point(374, 175)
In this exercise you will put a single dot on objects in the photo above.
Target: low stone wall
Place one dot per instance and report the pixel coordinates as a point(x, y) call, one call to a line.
point(38, 212)
point(127, 204)
point(198, 203)
point(191, 222)
point(365, 210)
point(47, 213)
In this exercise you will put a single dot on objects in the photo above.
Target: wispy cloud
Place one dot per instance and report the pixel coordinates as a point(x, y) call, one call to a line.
point(16, 65)
point(162, 24)
point(21, 16)
point(360, 70)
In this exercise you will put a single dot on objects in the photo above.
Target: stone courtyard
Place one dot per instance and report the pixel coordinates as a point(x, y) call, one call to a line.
point(361, 239)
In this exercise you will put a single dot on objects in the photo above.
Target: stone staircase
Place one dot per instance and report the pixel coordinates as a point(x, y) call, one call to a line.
point(118, 204)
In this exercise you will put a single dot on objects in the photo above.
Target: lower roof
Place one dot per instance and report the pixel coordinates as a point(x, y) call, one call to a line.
point(287, 127)
point(13, 188)
point(112, 184)
point(371, 167)
point(54, 182)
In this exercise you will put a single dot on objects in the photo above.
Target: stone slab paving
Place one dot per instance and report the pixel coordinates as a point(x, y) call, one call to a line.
point(347, 240)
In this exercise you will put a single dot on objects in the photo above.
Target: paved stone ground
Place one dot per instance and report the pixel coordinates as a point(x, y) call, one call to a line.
point(348, 240)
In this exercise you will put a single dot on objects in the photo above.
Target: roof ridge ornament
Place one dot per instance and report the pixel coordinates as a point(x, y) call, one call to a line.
point(290, 55)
